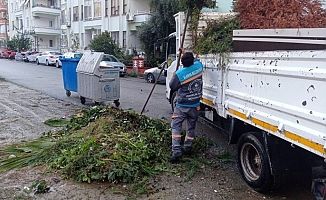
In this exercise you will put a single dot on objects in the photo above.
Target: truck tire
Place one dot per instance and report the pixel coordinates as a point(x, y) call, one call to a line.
point(253, 162)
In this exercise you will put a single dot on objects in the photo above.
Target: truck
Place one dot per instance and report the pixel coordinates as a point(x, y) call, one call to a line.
point(269, 97)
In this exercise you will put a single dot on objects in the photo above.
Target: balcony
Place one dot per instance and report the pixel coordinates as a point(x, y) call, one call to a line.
point(40, 9)
point(3, 21)
point(45, 31)
point(3, 8)
point(136, 19)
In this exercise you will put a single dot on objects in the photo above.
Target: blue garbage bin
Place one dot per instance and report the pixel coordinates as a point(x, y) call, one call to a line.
point(69, 74)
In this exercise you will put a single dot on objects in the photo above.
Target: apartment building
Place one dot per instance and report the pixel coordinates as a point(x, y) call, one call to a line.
point(38, 20)
point(82, 20)
point(3, 23)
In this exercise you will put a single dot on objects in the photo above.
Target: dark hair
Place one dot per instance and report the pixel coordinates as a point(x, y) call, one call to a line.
point(187, 59)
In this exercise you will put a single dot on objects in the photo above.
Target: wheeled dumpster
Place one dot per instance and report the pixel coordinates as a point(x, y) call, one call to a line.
point(96, 82)
point(69, 74)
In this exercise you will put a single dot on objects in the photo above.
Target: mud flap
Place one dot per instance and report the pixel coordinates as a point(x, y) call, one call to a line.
point(287, 165)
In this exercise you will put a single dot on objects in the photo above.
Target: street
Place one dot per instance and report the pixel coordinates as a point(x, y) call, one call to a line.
point(48, 79)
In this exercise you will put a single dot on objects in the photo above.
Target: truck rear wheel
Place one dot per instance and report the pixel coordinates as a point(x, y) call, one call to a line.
point(253, 162)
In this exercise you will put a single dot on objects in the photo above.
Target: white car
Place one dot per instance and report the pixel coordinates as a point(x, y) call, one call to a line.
point(32, 56)
point(150, 75)
point(68, 55)
point(48, 58)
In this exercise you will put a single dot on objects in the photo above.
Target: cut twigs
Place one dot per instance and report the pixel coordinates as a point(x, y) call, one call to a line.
point(101, 143)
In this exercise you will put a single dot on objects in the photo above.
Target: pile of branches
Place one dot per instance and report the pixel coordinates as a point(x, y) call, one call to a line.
point(101, 143)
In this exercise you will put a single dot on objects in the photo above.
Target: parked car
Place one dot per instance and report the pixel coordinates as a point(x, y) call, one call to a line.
point(3, 54)
point(27, 53)
point(150, 75)
point(48, 58)
point(111, 61)
point(32, 56)
point(68, 55)
point(20, 56)
point(12, 55)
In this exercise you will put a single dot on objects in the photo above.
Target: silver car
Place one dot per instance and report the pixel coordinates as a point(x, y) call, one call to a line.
point(112, 61)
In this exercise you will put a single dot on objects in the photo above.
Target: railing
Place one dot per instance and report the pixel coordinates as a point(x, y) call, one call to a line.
point(47, 27)
point(140, 12)
point(45, 30)
point(45, 6)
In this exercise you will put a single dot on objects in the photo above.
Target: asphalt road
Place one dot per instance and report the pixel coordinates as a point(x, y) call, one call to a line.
point(49, 80)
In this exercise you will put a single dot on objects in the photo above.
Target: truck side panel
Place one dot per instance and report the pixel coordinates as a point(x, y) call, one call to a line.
point(281, 92)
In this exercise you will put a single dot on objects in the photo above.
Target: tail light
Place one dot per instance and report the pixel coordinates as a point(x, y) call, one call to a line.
point(52, 56)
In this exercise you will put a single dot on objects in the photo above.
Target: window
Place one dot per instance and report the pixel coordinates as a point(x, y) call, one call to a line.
point(13, 25)
point(87, 10)
point(124, 9)
point(2, 29)
point(50, 43)
point(50, 23)
point(106, 8)
point(50, 2)
point(124, 39)
point(114, 7)
point(69, 15)
point(97, 8)
point(82, 12)
point(63, 40)
point(20, 24)
point(75, 13)
point(63, 16)
point(115, 37)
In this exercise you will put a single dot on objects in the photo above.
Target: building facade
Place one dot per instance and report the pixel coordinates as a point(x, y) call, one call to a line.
point(38, 20)
point(3, 23)
point(82, 20)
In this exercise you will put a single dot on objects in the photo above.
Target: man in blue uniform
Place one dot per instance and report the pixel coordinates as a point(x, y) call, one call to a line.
point(188, 83)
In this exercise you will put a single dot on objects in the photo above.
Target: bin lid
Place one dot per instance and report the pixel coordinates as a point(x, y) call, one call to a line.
point(69, 59)
point(89, 62)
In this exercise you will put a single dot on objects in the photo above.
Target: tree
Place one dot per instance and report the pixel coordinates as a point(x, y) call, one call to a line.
point(104, 43)
point(280, 14)
point(19, 42)
point(160, 25)
point(162, 22)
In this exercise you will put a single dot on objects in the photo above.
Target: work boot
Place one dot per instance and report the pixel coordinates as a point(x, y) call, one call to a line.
point(187, 151)
point(175, 157)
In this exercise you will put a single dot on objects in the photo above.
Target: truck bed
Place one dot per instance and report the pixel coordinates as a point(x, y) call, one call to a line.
point(281, 92)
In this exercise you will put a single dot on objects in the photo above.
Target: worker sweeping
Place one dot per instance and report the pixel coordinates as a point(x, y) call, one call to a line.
point(188, 83)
